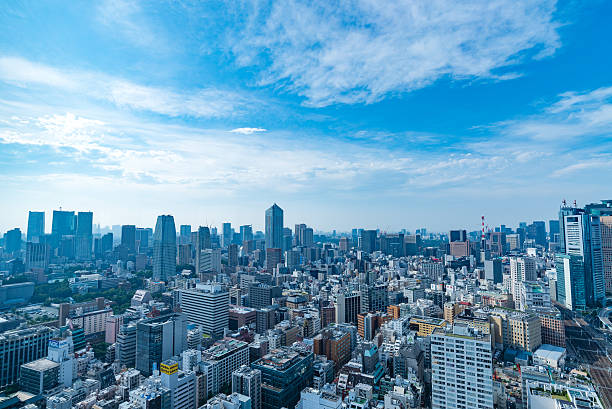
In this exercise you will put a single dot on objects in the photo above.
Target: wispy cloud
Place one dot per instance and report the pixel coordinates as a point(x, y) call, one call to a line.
point(362, 50)
point(204, 103)
point(248, 131)
point(125, 17)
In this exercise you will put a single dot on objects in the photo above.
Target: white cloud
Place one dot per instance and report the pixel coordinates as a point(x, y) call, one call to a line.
point(125, 17)
point(206, 103)
point(362, 50)
point(248, 131)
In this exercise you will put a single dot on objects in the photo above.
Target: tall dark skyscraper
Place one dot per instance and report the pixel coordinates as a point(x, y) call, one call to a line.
point(84, 235)
point(63, 223)
point(457, 235)
point(368, 240)
point(84, 225)
point(164, 248)
point(12, 240)
point(203, 238)
point(274, 227)
point(246, 233)
point(36, 225)
point(227, 234)
point(128, 237)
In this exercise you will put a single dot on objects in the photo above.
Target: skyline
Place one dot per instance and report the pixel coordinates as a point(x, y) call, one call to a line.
point(261, 228)
point(213, 112)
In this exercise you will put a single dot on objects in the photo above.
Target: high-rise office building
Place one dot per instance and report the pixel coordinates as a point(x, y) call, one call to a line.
point(582, 237)
point(221, 360)
point(273, 258)
point(143, 239)
point(202, 241)
point(63, 223)
point(12, 240)
point(461, 369)
point(125, 346)
point(553, 230)
point(83, 240)
point(247, 382)
point(348, 305)
point(284, 373)
point(246, 233)
point(228, 235)
point(207, 306)
point(37, 256)
point(209, 261)
point(20, 346)
point(182, 385)
point(457, 235)
point(606, 250)
point(158, 339)
point(522, 269)
point(274, 227)
point(185, 234)
point(571, 290)
point(106, 243)
point(232, 256)
point(128, 237)
point(84, 224)
point(494, 270)
point(368, 241)
point(164, 248)
point(36, 226)
point(374, 298)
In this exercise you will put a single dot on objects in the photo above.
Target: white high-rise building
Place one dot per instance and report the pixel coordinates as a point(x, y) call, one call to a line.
point(62, 352)
point(583, 238)
point(182, 385)
point(221, 360)
point(521, 269)
point(462, 369)
point(207, 306)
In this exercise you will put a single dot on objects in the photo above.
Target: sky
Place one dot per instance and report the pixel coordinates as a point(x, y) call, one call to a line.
point(360, 113)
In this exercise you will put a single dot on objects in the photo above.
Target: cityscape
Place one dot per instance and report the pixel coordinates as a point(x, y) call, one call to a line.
point(301, 204)
point(130, 317)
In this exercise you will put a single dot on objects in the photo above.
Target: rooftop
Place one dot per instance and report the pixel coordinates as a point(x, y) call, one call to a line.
point(42, 364)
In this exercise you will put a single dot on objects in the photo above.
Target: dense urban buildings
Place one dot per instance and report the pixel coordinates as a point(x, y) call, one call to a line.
point(214, 318)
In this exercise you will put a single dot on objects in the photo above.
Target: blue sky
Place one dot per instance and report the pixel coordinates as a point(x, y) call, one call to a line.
point(421, 113)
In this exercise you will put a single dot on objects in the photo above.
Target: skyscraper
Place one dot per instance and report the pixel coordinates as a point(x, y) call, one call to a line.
point(164, 248)
point(227, 234)
point(246, 233)
point(84, 236)
point(582, 237)
point(63, 223)
point(12, 240)
point(606, 249)
point(368, 241)
point(36, 226)
point(207, 306)
point(185, 234)
point(461, 369)
point(274, 227)
point(570, 281)
point(158, 339)
point(128, 237)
